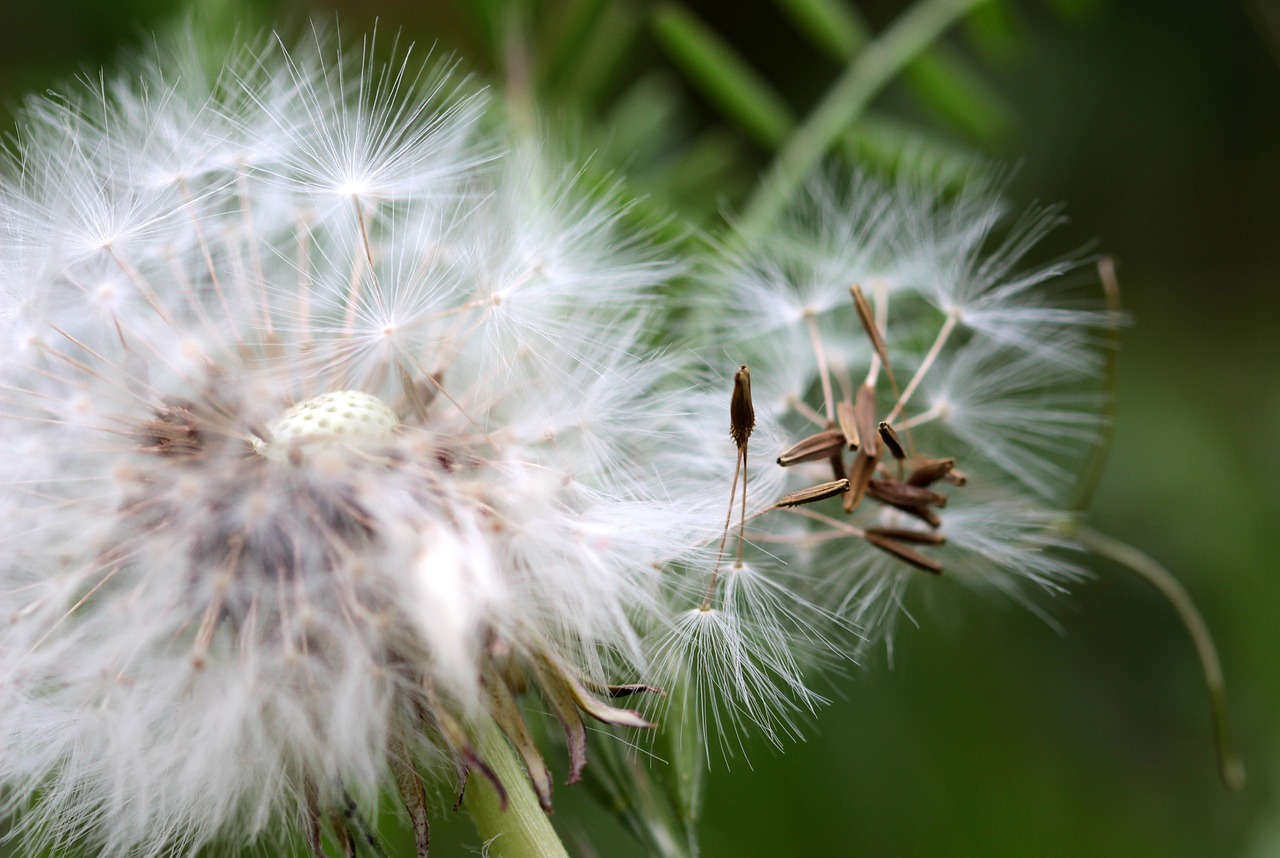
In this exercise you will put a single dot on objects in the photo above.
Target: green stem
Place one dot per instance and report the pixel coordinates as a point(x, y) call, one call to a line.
point(522, 830)
point(866, 75)
point(1229, 764)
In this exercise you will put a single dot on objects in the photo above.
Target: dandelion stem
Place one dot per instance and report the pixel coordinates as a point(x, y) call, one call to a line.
point(523, 829)
point(1092, 471)
point(944, 333)
point(1230, 766)
point(846, 100)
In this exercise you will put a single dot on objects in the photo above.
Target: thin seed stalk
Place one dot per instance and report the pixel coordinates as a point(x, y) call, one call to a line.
point(1230, 766)
point(522, 830)
point(925, 365)
point(815, 336)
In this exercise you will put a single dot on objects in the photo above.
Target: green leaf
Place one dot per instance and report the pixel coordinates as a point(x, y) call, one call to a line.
point(724, 77)
point(642, 120)
point(705, 172)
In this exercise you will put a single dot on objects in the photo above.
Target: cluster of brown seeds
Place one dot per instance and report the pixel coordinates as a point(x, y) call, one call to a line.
point(907, 486)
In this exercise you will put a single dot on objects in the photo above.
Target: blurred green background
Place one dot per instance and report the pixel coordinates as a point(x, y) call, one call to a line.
point(1158, 123)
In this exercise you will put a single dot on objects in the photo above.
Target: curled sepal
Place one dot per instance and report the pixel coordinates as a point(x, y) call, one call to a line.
point(414, 795)
point(464, 751)
point(552, 673)
point(566, 711)
point(346, 843)
point(506, 714)
point(313, 821)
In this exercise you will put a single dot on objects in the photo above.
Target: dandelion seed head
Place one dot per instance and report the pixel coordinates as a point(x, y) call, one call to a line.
point(296, 493)
point(990, 362)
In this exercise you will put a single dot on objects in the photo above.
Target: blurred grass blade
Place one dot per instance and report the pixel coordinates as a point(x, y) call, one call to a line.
point(893, 146)
point(681, 741)
point(993, 29)
point(705, 172)
point(641, 120)
point(955, 91)
point(845, 101)
point(724, 77)
point(600, 61)
point(830, 24)
point(624, 781)
point(939, 77)
point(562, 36)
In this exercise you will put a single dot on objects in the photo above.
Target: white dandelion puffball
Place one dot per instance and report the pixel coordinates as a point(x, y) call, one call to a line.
point(322, 423)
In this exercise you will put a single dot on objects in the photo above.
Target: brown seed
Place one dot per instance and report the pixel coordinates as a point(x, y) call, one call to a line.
point(920, 537)
point(905, 554)
point(901, 494)
point(823, 445)
point(848, 425)
point(813, 494)
point(864, 420)
point(864, 468)
point(837, 467)
point(868, 319)
point(742, 415)
point(891, 441)
point(926, 472)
